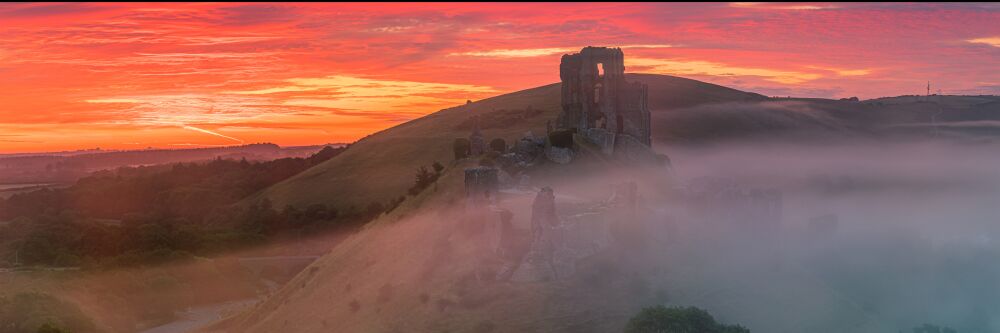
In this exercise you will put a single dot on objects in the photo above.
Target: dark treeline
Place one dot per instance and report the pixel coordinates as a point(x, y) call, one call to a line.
point(59, 168)
point(187, 190)
point(139, 215)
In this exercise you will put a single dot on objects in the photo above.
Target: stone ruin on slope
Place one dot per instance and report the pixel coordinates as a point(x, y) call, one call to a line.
point(477, 143)
point(599, 104)
point(559, 242)
point(599, 107)
point(482, 185)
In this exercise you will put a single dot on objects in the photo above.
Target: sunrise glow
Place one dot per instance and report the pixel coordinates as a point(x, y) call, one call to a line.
point(131, 76)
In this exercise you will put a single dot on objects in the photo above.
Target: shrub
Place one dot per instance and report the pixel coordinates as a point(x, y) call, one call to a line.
point(928, 328)
point(660, 319)
point(40, 312)
point(423, 179)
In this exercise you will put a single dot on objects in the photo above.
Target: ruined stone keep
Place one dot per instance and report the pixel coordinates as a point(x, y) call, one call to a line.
point(599, 104)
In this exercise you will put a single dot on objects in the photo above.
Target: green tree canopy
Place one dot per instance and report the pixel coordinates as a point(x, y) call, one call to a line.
point(660, 319)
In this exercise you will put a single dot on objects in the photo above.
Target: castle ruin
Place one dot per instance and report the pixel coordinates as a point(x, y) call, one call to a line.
point(477, 142)
point(600, 104)
point(481, 185)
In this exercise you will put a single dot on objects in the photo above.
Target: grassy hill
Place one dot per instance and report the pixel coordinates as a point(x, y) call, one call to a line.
point(414, 269)
point(967, 118)
point(684, 111)
point(381, 166)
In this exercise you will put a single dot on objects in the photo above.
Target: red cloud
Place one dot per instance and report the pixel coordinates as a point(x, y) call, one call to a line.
point(56, 57)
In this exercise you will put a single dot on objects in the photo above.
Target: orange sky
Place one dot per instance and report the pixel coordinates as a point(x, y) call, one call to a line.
point(130, 76)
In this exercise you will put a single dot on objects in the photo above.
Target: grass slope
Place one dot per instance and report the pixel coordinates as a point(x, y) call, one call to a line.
point(381, 166)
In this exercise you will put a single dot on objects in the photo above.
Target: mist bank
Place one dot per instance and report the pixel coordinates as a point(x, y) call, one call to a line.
point(879, 236)
point(789, 237)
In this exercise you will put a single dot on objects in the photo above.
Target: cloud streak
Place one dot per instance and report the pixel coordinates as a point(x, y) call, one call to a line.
point(991, 41)
point(189, 127)
point(695, 67)
point(528, 53)
point(337, 72)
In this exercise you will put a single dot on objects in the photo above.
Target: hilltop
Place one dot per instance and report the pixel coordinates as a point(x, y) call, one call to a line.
point(380, 167)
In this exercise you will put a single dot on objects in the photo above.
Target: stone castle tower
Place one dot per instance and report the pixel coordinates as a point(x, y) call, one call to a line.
point(597, 101)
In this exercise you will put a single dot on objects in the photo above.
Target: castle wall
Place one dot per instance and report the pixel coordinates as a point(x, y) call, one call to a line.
point(481, 185)
point(604, 102)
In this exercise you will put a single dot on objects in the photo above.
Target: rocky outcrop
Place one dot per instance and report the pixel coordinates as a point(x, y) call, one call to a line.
point(526, 152)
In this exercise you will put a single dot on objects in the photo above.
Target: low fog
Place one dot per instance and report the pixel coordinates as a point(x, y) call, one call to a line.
point(777, 238)
point(880, 237)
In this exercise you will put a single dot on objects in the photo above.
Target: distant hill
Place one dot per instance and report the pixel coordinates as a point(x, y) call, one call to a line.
point(972, 118)
point(684, 111)
point(67, 167)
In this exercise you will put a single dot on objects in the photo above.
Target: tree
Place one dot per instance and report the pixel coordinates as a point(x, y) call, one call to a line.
point(438, 167)
point(461, 148)
point(423, 179)
point(660, 319)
